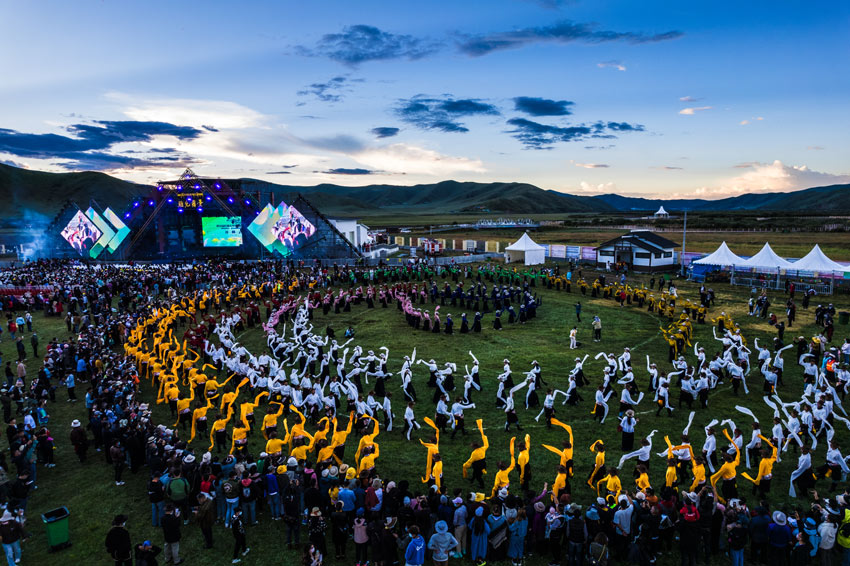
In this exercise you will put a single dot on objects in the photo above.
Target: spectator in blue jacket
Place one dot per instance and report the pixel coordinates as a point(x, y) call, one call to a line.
point(415, 553)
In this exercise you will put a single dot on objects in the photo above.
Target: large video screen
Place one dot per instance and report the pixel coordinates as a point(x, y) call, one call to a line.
point(222, 231)
point(81, 233)
point(282, 228)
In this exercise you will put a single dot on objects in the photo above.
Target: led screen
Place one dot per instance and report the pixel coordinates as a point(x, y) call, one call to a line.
point(281, 229)
point(222, 231)
point(81, 233)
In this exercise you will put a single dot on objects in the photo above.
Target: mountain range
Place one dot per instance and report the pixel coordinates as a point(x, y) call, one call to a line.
point(33, 198)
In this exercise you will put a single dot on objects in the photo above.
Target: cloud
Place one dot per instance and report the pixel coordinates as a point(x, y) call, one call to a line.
point(87, 146)
point(342, 143)
point(410, 159)
point(597, 189)
point(689, 99)
point(348, 171)
point(534, 106)
point(361, 43)
point(667, 168)
point(216, 114)
point(591, 165)
point(331, 90)
point(692, 111)
point(534, 135)
point(772, 177)
point(13, 163)
point(815, 148)
point(612, 64)
point(442, 114)
point(385, 132)
point(278, 172)
point(744, 122)
point(562, 32)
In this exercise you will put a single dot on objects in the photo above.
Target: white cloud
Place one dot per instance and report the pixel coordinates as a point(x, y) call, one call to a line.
point(411, 159)
point(744, 122)
point(772, 177)
point(692, 111)
point(612, 64)
point(688, 99)
point(218, 114)
point(594, 189)
point(591, 165)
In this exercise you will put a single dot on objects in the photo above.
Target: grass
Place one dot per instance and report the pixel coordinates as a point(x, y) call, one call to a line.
point(88, 491)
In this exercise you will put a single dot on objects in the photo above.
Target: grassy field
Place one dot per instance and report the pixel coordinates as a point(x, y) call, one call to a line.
point(88, 491)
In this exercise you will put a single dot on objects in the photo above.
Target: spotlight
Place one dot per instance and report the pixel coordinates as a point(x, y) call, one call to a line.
point(247, 202)
point(127, 215)
point(197, 186)
point(150, 203)
point(230, 200)
point(218, 185)
point(135, 204)
point(180, 210)
point(159, 188)
point(179, 187)
point(170, 200)
point(209, 198)
point(200, 209)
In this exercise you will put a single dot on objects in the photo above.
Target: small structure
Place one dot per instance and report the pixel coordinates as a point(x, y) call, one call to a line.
point(766, 259)
point(722, 257)
point(431, 246)
point(661, 213)
point(817, 261)
point(357, 234)
point(525, 250)
point(640, 250)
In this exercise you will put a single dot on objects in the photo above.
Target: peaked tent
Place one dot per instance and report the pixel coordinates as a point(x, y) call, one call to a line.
point(722, 256)
point(766, 259)
point(661, 211)
point(816, 260)
point(526, 250)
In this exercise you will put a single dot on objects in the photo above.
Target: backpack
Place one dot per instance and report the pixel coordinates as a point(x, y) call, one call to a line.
point(178, 489)
point(690, 513)
point(228, 489)
point(737, 538)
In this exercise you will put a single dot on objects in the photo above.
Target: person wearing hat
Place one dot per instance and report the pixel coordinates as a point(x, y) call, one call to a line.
point(316, 527)
point(440, 543)
point(11, 533)
point(118, 543)
point(779, 538)
point(79, 440)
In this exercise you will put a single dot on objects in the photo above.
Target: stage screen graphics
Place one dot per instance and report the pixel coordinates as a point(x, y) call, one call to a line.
point(222, 231)
point(121, 230)
point(281, 229)
point(81, 233)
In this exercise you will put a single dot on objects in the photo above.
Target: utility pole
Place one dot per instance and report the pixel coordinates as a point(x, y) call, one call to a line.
point(684, 241)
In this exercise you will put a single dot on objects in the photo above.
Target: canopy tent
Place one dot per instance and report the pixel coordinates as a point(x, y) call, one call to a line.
point(766, 259)
point(525, 250)
point(816, 260)
point(722, 256)
point(661, 212)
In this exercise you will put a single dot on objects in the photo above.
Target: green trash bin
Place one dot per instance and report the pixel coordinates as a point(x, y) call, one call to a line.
point(56, 524)
point(843, 317)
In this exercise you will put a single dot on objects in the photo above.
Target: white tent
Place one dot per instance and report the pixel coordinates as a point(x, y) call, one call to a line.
point(816, 260)
point(766, 259)
point(661, 212)
point(722, 256)
point(525, 250)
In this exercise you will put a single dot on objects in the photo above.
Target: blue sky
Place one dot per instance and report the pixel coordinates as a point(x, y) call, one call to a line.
point(581, 96)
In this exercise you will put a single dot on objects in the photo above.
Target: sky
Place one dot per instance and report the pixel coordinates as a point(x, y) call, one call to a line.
point(647, 98)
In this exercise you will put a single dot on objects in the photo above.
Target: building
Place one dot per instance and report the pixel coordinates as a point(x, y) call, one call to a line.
point(661, 213)
point(640, 250)
point(356, 233)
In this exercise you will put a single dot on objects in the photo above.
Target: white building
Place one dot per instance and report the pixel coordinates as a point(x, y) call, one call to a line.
point(354, 232)
point(641, 250)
